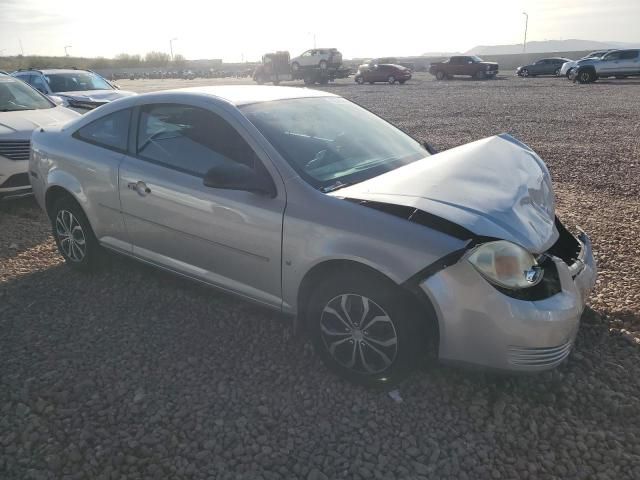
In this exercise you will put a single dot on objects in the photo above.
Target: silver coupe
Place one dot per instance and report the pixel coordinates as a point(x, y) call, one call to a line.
point(383, 250)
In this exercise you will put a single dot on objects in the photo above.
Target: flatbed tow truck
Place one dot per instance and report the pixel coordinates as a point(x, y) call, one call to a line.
point(276, 68)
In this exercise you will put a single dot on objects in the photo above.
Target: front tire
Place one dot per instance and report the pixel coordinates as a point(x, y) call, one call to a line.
point(480, 75)
point(323, 64)
point(364, 329)
point(524, 72)
point(360, 80)
point(585, 76)
point(74, 236)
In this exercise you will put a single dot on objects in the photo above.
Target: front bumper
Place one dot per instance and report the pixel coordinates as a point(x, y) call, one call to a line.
point(14, 181)
point(479, 325)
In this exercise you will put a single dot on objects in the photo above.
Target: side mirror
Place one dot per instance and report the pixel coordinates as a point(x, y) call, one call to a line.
point(237, 176)
point(115, 85)
point(57, 100)
point(429, 148)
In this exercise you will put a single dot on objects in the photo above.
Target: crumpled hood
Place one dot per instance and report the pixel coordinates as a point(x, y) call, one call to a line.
point(19, 125)
point(95, 95)
point(495, 187)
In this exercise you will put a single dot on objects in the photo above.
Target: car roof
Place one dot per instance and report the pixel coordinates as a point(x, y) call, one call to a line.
point(246, 94)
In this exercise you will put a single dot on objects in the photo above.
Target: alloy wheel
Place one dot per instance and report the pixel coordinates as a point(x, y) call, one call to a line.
point(71, 236)
point(359, 334)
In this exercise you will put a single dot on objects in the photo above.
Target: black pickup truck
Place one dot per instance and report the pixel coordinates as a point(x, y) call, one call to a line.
point(464, 65)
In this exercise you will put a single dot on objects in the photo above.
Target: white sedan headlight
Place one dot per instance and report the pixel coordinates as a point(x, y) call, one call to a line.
point(506, 264)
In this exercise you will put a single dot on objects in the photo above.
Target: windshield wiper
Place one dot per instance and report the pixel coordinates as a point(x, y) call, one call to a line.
point(336, 186)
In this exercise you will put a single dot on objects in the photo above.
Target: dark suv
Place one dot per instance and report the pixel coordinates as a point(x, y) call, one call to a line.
point(384, 72)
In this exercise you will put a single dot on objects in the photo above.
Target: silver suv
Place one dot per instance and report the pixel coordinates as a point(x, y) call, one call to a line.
point(307, 203)
point(79, 90)
point(617, 63)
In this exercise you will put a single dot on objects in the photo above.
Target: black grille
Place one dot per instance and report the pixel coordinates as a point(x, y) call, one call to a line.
point(17, 180)
point(15, 149)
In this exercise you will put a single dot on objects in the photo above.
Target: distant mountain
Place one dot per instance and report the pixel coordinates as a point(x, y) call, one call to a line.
point(548, 46)
point(440, 54)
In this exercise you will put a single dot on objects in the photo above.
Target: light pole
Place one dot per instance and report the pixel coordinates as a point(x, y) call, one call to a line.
point(66, 53)
point(314, 39)
point(526, 25)
point(171, 46)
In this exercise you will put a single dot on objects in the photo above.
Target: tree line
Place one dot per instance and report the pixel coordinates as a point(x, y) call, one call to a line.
point(123, 60)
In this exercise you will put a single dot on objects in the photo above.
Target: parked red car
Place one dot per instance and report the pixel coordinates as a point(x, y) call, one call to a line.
point(385, 72)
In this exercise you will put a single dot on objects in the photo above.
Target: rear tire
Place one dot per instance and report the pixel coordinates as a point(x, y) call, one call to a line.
point(295, 66)
point(557, 72)
point(391, 79)
point(402, 82)
point(323, 64)
point(74, 236)
point(440, 75)
point(364, 329)
point(360, 80)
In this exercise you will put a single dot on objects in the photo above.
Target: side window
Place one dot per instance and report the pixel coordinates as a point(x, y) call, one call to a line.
point(306, 54)
point(110, 131)
point(613, 56)
point(629, 55)
point(190, 139)
point(38, 83)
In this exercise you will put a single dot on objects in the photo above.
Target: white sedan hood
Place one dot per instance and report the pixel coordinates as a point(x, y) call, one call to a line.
point(495, 187)
point(18, 125)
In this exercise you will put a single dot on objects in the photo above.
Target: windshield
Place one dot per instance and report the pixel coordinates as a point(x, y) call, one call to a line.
point(332, 142)
point(76, 82)
point(476, 59)
point(16, 95)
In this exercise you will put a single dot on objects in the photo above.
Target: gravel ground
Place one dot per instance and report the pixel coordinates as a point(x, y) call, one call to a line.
point(132, 373)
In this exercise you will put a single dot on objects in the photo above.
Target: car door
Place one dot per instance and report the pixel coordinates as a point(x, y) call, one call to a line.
point(98, 149)
point(229, 238)
point(537, 68)
point(630, 60)
point(377, 73)
point(610, 64)
point(308, 58)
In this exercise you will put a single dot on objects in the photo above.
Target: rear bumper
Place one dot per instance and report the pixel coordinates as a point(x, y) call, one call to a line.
point(479, 325)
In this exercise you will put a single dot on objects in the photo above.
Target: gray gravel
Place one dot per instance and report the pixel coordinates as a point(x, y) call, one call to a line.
point(132, 373)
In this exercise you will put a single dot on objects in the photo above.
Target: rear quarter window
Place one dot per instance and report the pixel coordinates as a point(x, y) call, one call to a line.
point(110, 132)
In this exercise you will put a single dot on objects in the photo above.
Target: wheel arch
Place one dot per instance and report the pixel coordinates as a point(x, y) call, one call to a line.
point(55, 193)
point(417, 298)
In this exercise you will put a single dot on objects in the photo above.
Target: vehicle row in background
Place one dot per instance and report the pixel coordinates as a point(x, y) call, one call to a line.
point(80, 90)
point(615, 63)
point(599, 64)
point(22, 108)
point(544, 66)
point(319, 65)
point(470, 65)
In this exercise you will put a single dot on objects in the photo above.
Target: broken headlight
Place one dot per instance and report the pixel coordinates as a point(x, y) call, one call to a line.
point(506, 264)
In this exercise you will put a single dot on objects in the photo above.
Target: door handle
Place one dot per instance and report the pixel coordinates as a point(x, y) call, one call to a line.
point(140, 187)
